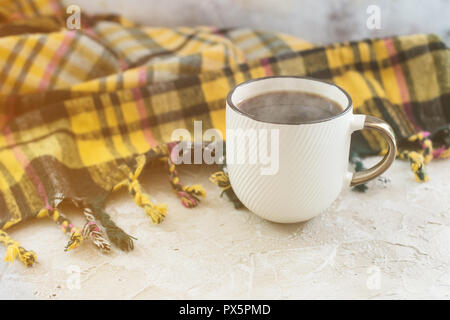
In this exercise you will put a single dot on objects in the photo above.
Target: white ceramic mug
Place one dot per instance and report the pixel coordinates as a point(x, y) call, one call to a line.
point(313, 156)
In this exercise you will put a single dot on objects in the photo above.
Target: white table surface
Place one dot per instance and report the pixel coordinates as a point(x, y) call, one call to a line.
point(391, 242)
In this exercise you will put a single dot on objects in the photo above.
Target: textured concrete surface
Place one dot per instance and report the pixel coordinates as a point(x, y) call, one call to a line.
point(319, 21)
point(391, 242)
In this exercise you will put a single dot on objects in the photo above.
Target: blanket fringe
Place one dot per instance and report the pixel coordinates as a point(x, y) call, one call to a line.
point(189, 195)
point(417, 162)
point(156, 211)
point(91, 230)
point(117, 236)
point(445, 154)
point(14, 250)
point(76, 238)
point(222, 180)
point(427, 145)
point(418, 159)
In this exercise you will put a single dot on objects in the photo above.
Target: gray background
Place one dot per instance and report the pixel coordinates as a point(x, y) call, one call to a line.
point(320, 21)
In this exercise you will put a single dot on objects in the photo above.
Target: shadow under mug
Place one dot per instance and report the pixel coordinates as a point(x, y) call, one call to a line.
point(312, 157)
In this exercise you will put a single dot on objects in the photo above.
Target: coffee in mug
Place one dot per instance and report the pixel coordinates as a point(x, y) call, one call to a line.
point(290, 107)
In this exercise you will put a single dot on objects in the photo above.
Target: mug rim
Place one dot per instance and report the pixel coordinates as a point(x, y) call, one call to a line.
point(236, 109)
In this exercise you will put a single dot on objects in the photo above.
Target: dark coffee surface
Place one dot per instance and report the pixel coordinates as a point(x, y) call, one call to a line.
point(290, 107)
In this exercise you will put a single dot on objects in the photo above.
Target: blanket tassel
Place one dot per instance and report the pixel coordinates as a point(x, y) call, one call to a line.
point(117, 236)
point(76, 238)
point(416, 161)
point(92, 230)
point(189, 195)
point(14, 250)
point(156, 211)
point(222, 180)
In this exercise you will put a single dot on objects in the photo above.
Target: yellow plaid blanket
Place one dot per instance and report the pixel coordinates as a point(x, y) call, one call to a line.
point(82, 112)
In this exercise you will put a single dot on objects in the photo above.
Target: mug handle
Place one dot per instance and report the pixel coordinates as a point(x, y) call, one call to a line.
point(383, 128)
